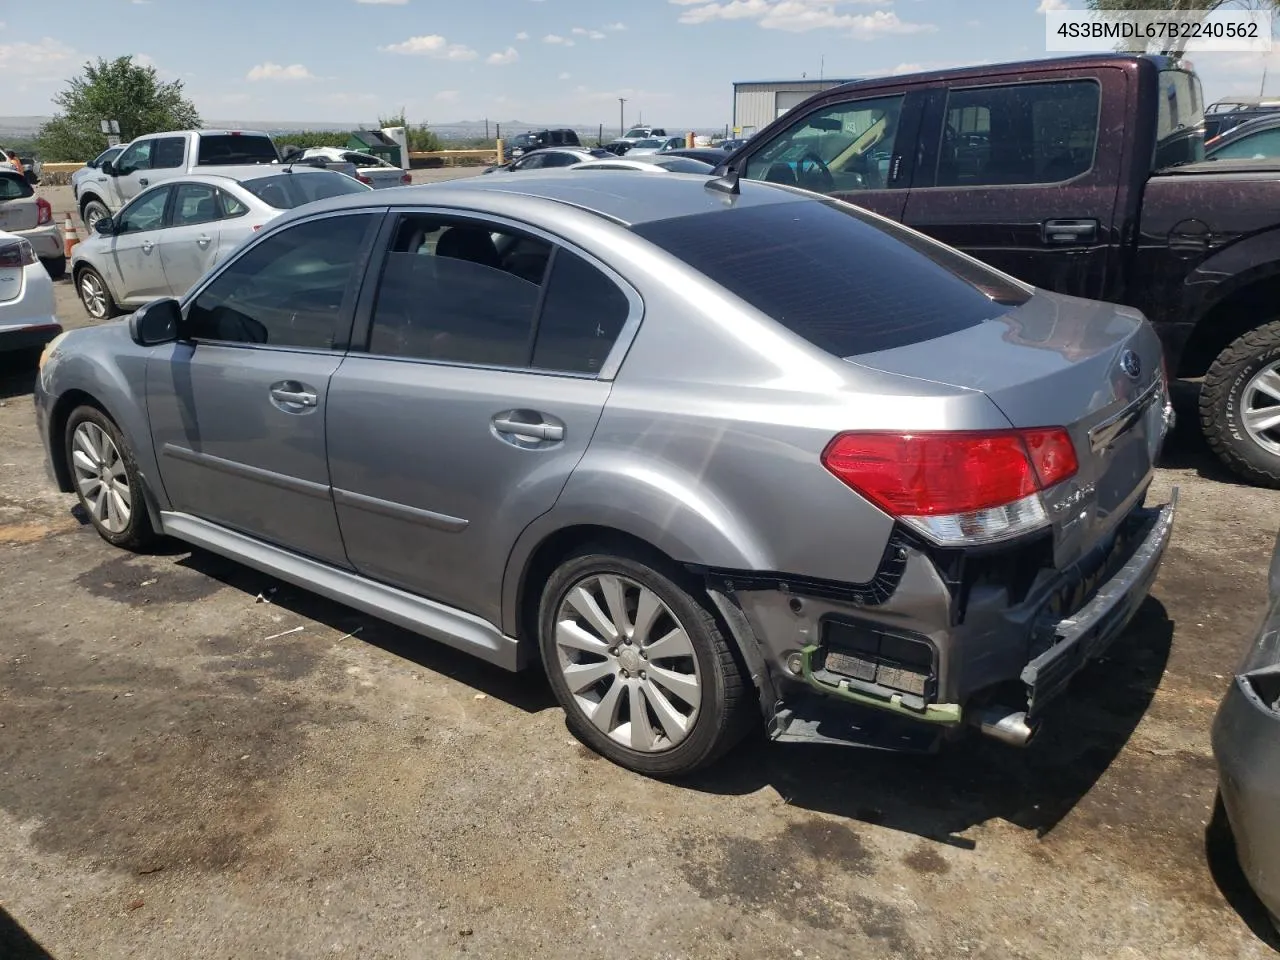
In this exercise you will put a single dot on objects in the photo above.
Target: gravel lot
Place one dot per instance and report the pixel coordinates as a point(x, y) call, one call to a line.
point(175, 784)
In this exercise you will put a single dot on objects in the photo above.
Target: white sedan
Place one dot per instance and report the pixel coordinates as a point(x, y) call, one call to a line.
point(648, 163)
point(369, 169)
point(27, 317)
point(167, 237)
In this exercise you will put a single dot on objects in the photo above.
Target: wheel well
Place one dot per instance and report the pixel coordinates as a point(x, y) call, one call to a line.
point(1242, 311)
point(551, 552)
point(86, 199)
point(57, 430)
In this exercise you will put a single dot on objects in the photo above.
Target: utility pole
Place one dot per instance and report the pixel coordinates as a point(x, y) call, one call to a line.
point(822, 66)
point(622, 124)
point(486, 128)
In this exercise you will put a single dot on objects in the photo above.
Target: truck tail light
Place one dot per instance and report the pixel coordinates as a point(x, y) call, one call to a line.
point(44, 212)
point(16, 253)
point(405, 178)
point(957, 488)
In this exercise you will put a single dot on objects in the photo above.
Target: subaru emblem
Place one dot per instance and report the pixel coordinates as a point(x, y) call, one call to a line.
point(1131, 365)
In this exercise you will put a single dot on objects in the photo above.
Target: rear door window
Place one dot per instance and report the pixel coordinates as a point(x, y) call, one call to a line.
point(194, 203)
point(842, 280)
point(1019, 134)
point(168, 153)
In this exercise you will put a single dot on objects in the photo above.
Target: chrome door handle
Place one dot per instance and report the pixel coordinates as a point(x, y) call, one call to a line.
point(143, 181)
point(203, 241)
point(146, 246)
point(528, 431)
point(301, 398)
point(1069, 231)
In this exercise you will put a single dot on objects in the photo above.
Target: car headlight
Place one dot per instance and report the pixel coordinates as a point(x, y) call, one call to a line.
point(49, 348)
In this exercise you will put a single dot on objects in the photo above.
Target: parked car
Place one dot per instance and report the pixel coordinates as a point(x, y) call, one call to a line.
point(1225, 115)
point(1135, 218)
point(656, 145)
point(735, 476)
point(547, 158)
point(732, 144)
point(652, 163)
point(28, 317)
point(369, 169)
point(1246, 743)
point(623, 144)
point(1257, 139)
point(24, 214)
point(527, 142)
point(162, 156)
point(171, 234)
point(29, 167)
point(92, 171)
point(711, 156)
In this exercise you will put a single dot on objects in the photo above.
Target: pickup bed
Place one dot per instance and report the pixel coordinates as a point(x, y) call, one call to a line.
point(1081, 175)
point(162, 156)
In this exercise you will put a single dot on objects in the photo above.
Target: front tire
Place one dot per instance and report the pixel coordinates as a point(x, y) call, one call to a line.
point(92, 212)
point(1240, 405)
point(95, 295)
point(640, 666)
point(106, 479)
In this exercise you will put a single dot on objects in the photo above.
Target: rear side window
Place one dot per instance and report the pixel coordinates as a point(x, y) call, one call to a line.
point(168, 153)
point(284, 191)
point(1020, 133)
point(582, 315)
point(14, 186)
point(221, 149)
point(831, 275)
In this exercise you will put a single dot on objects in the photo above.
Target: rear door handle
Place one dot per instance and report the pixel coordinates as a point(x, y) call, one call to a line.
point(525, 430)
point(1069, 231)
point(293, 393)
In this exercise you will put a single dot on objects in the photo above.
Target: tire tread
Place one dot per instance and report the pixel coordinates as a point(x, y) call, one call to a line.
point(1215, 394)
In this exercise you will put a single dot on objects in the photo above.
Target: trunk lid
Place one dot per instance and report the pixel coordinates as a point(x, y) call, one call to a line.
point(1056, 361)
point(18, 213)
point(10, 282)
point(382, 177)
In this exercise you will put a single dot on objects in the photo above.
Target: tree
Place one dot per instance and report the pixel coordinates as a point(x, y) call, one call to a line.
point(1188, 9)
point(116, 89)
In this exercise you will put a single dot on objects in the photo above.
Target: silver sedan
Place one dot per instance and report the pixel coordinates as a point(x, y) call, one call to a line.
point(169, 236)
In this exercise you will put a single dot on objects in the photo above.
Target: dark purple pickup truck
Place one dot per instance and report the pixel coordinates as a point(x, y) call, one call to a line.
point(1083, 175)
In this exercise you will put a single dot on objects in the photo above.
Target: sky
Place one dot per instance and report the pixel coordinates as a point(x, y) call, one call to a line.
point(543, 61)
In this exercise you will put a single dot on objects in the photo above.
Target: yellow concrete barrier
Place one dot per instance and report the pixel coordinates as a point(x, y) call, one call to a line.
point(60, 167)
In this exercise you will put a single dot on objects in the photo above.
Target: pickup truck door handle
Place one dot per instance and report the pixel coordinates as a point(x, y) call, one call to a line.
point(527, 429)
point(1070, 231)
point(143, 181)
point(291, 393)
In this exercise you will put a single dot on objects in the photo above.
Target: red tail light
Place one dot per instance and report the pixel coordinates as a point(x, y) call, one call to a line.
point(44, 212)
point(405, 178)
point(956, 486)
point(17, 253)
point(363, 179)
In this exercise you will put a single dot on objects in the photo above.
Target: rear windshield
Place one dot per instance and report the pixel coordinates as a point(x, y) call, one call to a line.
point(683, 165)
point(223, 149)
point(846, 282)
point(14, 186)
point(285, 191)
point(1179, 120)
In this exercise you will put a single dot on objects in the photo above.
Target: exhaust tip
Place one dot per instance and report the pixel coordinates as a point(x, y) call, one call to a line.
point(1007, 726)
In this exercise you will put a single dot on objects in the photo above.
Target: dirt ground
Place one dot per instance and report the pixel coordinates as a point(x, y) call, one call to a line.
point(176, 783)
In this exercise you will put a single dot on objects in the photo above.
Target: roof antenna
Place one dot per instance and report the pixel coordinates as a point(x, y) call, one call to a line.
point(726, 184)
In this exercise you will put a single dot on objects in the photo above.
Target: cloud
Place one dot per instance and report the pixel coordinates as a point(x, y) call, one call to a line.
point(615, 27)
point(275, 71)
point(555, 38)
point(566, 76)
point(447, 96)
point(522, 35)
point(801, 16)
point(1047, 5)
point(432, 45)
point(36, 58)
point(510, 55)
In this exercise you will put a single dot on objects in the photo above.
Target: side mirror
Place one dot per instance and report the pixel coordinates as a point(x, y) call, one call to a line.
point(105, 226)
point(109, 168)
point(157, 322)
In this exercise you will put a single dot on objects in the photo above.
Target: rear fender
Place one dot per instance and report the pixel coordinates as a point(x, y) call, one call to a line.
point(1247, 262)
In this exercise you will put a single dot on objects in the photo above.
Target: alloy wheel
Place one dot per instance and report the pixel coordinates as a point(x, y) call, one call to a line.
point(101, 477)
point(93, 295)
point(628, 662)
point(1260, 408)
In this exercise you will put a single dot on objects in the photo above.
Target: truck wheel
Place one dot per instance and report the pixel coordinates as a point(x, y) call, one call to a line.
point(93, 211)
point(640, 665)
point(1240, 405)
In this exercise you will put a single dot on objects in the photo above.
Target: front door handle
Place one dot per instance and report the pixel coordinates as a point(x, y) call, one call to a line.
point(147, 245)
point(1069, 231)
point(293, 394)
point(202, 240)
point(143, 181)
point(528, 429)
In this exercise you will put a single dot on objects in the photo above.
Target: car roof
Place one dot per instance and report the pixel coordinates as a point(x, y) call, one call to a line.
point(1265, 122)
point(628, 197)
point(245, 174)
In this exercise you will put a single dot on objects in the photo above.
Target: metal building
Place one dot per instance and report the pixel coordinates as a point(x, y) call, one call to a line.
point(760, 102)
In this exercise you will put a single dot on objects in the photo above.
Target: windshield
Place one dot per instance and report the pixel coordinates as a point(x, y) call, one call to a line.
point(637, 133)
point(847, 282)
point(1179, 120)
point(223, 149)
point(284, 191)
point(648, 143)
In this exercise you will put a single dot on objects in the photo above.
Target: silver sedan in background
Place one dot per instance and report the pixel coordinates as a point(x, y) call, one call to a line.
point(647, 163)
point(169, 236)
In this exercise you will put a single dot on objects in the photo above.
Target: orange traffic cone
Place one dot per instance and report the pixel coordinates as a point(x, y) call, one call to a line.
point(69, 236)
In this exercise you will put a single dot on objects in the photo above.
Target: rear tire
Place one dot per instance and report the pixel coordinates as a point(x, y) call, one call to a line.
point(667, 647)
point(95, 295)
point(1239, 393)
point(106, 479)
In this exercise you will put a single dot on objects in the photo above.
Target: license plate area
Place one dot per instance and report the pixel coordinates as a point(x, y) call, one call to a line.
point(876, 660)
